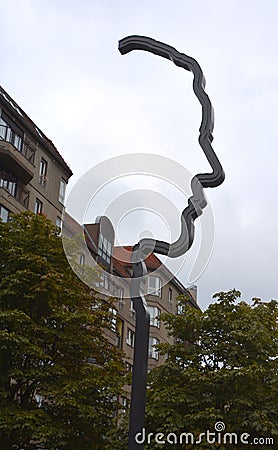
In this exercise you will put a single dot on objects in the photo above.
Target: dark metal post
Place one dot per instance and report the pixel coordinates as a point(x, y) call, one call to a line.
point(140, 364)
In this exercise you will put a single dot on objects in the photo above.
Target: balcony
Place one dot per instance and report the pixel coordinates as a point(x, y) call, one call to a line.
point(16, 155)
point(18, 198)
point(13, 190)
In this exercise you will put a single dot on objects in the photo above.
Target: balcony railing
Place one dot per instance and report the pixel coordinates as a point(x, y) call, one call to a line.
point(29, 152)
point(23, 146)
point(23, 196)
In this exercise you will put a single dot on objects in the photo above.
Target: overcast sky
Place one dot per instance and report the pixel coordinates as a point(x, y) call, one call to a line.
point(60, 63)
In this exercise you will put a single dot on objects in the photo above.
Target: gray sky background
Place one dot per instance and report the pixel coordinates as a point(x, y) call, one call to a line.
point(60, 63)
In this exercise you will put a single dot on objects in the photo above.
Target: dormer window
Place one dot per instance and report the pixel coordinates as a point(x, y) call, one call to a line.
point(104, 248)
point(12, 103)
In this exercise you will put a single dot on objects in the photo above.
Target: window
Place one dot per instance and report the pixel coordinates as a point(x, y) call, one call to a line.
point(103, 281)
point(104, 248)
point(4, 213)
point(153, 353)
point(82, 259)
point(113, 319)
point(39, 399)
point(132, 312)
point(10, 132)
point(39, 132)
point(11, 102)
point(130, 337)
point(154, 316)
point(170, 297)
point(180, 309)
point(120, 293)
point(120, 296)
point(38, 207)
point(42, 173)
point(119, 332)
point(62, 191)
point(59, 224)
point(106, 282)
point(124, 404)
point(8, 181)
point(129, 367)
point(155, 285)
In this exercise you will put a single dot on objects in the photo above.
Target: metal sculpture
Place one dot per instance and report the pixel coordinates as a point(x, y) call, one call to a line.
point(194, 209)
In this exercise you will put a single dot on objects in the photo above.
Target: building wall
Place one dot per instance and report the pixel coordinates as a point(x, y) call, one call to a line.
point(158, 328)
point(47, 189)
point(22, 148)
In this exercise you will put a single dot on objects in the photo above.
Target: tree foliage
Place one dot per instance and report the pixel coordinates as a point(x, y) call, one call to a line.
point(59, 377)
point(222, 367)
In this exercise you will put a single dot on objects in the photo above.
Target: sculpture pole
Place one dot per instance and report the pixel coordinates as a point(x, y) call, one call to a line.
point(194, 209)
point(140, 359)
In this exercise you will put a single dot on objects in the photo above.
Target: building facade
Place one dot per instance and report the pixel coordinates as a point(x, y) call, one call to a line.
point(162, 292)
point(33, 174)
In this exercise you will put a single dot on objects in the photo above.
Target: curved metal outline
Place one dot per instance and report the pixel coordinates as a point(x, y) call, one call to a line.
point(195, 207)
point(197, 202)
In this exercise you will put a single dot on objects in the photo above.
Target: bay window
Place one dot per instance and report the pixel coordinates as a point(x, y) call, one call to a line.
point(154, 316)
point(155, 285)
point(153, 352)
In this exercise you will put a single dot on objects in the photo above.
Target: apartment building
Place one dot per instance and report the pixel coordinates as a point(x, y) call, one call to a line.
point(163, 290)
point(162, 295)
point(33, 174)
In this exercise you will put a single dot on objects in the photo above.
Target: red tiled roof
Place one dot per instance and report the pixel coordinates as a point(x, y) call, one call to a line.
point(120, 269)
point(123, 254)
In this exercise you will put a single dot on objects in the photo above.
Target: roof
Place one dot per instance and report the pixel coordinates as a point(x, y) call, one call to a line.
point(21, 118)
point(121, 259)
point(121, 263)
point(120, 269)
point(123, 255)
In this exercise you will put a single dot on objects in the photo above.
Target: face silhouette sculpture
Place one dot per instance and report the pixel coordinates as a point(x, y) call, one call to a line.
point(194, 209)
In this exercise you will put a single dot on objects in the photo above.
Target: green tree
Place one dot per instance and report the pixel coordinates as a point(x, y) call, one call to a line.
point(59, 377)
point(222, 368)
